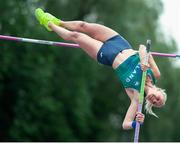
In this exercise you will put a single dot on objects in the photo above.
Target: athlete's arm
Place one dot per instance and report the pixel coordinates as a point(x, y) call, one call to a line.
point(131, 114)
point(154, 67)
point(151, 63)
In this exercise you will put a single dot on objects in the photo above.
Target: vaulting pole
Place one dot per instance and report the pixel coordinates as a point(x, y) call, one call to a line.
point(141, 95)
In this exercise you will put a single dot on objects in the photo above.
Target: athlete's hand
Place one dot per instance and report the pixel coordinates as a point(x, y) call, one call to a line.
point(144, 67)
point(140, 117)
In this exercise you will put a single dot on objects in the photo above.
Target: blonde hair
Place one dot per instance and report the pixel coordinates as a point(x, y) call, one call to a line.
point(148, 105)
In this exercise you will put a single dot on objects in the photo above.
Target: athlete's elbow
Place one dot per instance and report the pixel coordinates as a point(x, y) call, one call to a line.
point(158, 75)
point(126, 126)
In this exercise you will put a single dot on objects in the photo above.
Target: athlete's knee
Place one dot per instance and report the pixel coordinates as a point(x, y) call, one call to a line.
point(83, 25)
point(73, 36)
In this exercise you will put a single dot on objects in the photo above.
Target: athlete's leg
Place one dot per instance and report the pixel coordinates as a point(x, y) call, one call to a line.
point(96, 31)
point(88, 44)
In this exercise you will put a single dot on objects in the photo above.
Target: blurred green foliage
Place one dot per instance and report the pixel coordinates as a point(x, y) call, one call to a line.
point(60, 94)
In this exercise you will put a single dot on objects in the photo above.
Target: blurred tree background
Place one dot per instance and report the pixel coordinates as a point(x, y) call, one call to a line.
point(60, 94)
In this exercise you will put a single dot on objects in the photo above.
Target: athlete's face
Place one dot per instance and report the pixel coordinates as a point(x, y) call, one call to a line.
point(155, 97)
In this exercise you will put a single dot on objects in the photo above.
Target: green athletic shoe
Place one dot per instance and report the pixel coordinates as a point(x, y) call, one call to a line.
point(45, 18)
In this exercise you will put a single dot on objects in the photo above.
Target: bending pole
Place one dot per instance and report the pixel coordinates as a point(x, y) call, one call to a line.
point(141, 95)
point(62, 44)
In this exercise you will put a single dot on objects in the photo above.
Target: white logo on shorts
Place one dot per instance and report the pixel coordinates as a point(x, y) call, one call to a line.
point(101, 54)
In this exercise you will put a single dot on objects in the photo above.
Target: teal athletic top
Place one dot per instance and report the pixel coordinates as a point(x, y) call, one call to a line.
point(130, 73)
